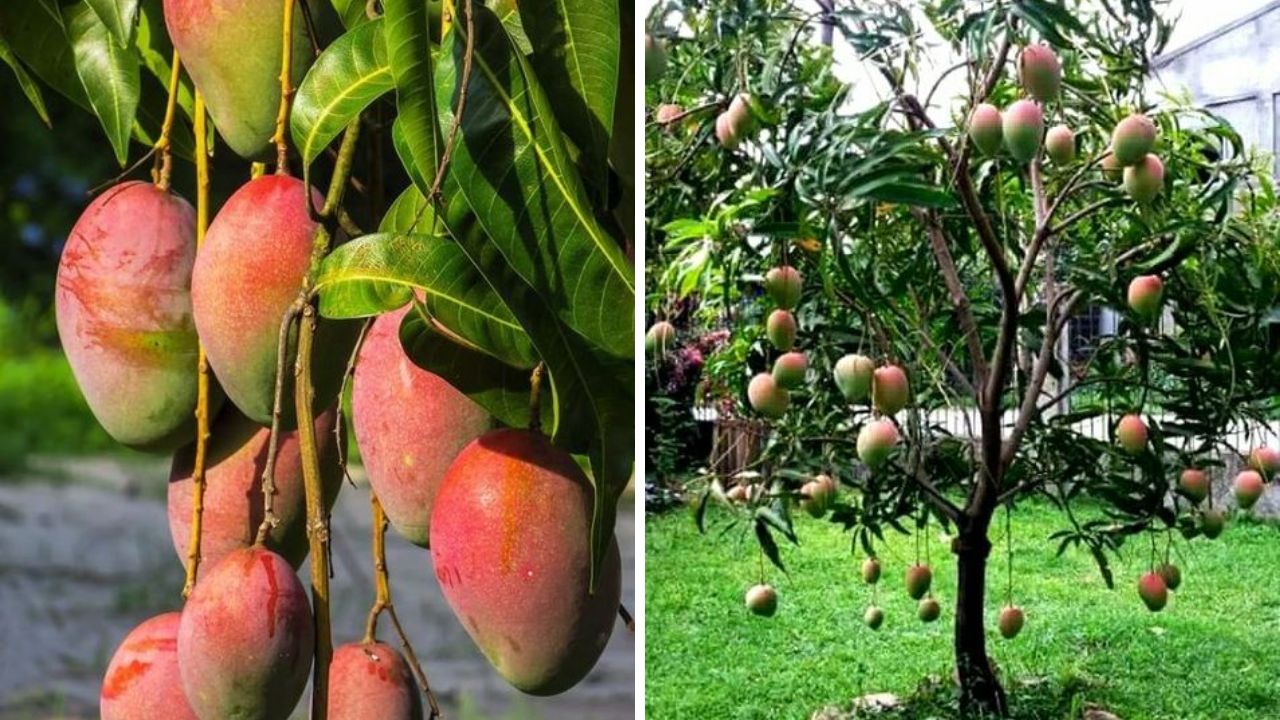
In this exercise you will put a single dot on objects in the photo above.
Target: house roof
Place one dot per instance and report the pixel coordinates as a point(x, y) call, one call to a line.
point(1212, 35)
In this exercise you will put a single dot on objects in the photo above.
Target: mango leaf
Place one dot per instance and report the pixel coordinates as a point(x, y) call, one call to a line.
point(503, 391)
point(119, 17)
point(351, 12)
point(409, 214)
point(408, 37)
point(623, 135)
point(576, 58)
point(403, 152)
point(379, 272)
point(347, 77)
point(109, 74)
point(38, 37)
point(29, 86)
point(516, 174)
point(156, 52)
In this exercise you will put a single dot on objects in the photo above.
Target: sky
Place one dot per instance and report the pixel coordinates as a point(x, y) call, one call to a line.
point(1197, 17)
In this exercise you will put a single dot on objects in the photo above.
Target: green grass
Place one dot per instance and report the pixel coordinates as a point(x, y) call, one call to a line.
point(1214, 653)
point(43, 412)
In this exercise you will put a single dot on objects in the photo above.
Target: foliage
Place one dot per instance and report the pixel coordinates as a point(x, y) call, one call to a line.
point(964, 270)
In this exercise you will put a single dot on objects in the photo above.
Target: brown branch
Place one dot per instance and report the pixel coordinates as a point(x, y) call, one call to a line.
point(280, 138)
point(464, 88)
point(347, 376)
point(269, 519)
point(627, 620)
point(163, 146)
point(955, 288)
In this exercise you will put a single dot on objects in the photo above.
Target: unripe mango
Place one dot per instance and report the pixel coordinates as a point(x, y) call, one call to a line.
point(1145, 180)
point(1145, 294)
point(232, 50)
point(1040, 72)
point(889, 389)
point(783, 285)
point(876, 441)
point(918, 581)
point(739, 115)
point(817, 495)
point(142, 680)
point(726, 135)
point(985, 128)
point(410, 424)
point(249, 271)
point(762, 600)
point(1248, 487)
point(1111, 168)
point(372, 681)
point(236, 458)
point(1171, 575)
point(659, 338)
point(123, 302)
point(780, 328)
point(873, 617)
point(1194, 484)
point(1131, 433)
point(1011, 621)
point(789, 370)
point(1132, 139)
point(1023, 129)
point(509, 541)
point(1060, 145)
point(246, 638)
point(1153, 591)
point(854, 374)
point(928, 610)
point(1212, 523)
point(871, 571)
point(766, 397)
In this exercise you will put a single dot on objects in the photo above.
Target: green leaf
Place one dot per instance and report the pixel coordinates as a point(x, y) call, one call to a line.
point(347, 77)
point(576, 58)
point(409, 214)
point(29, 86)
point(502, 390)
point(377, 273)
point(351, 12)
point(156, 52)
point(36, 33)
point(109, 74)
point(408, 38)
point(119, 17)
point(516, 174)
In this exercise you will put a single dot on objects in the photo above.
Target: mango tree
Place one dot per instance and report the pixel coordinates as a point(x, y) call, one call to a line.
point(900, 269)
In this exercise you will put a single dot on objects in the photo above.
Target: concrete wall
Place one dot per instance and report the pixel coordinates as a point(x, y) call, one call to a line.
point(1233, 71)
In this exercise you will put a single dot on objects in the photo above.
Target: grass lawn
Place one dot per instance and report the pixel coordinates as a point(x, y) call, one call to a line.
point(1213, 653)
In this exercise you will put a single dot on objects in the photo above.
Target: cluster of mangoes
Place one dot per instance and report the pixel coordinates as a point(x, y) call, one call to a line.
point(506, 514)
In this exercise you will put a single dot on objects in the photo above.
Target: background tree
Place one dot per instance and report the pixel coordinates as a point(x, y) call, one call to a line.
point(964, 268)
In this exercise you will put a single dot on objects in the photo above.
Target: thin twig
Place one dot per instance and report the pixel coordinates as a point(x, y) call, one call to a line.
point(202, 362)
point(342, 392)
point(464, 88)
point(286, 90)
point(164, 160)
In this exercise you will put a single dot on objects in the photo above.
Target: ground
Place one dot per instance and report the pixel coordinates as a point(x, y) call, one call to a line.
point(1210, 655)
point(85, 555)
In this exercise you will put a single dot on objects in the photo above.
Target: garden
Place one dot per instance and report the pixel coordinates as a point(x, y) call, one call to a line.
point(960, 368)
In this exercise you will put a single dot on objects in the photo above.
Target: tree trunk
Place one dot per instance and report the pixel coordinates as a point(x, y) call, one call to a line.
point(980, 691)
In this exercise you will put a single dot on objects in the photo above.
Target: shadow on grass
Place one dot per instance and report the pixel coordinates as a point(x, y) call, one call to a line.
point(1029, 699)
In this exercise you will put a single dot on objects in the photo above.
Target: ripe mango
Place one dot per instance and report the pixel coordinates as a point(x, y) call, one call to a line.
point(142, 680)
point(371, 681)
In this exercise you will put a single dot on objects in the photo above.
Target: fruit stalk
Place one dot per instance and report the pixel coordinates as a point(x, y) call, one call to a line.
point(286, 91)
point(163, 145)
point(202, 377)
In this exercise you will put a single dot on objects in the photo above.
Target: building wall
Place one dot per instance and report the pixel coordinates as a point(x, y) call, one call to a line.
point(1232, 71)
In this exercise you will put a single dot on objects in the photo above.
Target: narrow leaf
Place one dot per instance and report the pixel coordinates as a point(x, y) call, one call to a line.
point(408, 38)
point(119, 17)
point(36, 33)
point(109, 74)
point(576, 58)
point(516, 174)
point(29, 86)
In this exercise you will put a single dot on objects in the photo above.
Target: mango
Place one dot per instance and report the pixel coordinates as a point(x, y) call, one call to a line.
point(246, 638)
point(1132, 138)
point(123, 306)
point(410, 425)
point(509, 541)
point(1040, 72)
point(233, 52)
point(1023, 129)
point(249, 271)
point(1144, 180)
point(371, 681)
point(142, 680)
point(985, 128)
point(237, 456)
